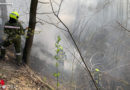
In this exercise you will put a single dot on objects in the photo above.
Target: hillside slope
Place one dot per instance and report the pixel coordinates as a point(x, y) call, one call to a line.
point(20, 78)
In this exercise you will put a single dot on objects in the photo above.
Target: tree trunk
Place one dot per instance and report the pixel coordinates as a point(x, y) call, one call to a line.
point(30, 34)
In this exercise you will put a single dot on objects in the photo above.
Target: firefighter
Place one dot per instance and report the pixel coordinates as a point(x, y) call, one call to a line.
point(13, 31)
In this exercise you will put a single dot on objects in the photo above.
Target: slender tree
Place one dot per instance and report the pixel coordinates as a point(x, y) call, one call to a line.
point(30, 33)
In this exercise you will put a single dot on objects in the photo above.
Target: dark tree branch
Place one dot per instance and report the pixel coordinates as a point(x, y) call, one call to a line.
point(40, 22)
point(76, 58)
point(122, 26)
point(59, 7)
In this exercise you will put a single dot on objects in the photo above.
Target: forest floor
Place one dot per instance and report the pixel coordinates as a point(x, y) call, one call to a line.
point(20, 77)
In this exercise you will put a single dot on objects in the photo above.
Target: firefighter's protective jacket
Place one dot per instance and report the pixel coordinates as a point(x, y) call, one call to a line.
point(13, 29)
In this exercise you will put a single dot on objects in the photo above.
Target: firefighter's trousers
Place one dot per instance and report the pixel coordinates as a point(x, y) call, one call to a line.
point(16, 43)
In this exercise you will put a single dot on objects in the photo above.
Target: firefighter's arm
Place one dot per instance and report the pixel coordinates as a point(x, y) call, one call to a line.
point(22, 30)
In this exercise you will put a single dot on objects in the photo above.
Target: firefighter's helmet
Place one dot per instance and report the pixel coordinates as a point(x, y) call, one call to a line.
point(14, 15)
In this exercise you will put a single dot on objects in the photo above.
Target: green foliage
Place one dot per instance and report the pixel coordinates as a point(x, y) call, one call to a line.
point(56, 74)
point(60, 54)
point(57, 64)
point(58, 39)
point(56, 57)
point(58, 84)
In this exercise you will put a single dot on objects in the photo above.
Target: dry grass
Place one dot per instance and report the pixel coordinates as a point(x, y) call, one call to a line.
point(20, 78)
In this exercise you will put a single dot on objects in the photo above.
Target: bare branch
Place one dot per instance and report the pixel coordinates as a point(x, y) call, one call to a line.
point(40, 22)
point(43, 12)
point(43, 2)
point(59, 7)
point(75, 57)
point(122, 26)
point(55, 2)
point(51, 24)
point(46, 13)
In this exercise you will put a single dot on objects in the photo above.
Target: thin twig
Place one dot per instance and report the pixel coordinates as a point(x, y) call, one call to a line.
point(43, 2)
point(51, 24)
point(59, 7)
point(122, 26)
point(42, 12)
point(45, 13)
